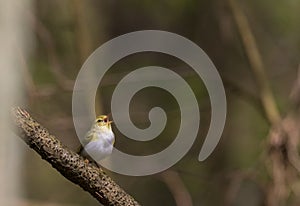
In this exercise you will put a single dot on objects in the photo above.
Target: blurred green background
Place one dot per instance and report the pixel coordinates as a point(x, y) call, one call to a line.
point(65, 33)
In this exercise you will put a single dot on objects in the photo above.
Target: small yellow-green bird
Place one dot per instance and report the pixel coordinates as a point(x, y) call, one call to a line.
point(99, 141)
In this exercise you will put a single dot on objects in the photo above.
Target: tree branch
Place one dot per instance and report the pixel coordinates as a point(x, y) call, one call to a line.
point(71, 165)
point(256, 63)
point(284, 132)
point(176, 186)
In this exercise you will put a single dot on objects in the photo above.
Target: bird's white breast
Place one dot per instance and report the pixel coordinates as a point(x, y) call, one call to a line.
point(102, 146)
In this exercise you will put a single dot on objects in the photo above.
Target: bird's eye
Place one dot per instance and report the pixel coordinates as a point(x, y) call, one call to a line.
point(105, 120)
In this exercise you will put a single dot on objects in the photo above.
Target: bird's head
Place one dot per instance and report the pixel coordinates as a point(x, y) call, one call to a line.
point(103, 122)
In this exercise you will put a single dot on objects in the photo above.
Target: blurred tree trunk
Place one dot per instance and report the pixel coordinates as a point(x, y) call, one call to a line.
point(14, 38)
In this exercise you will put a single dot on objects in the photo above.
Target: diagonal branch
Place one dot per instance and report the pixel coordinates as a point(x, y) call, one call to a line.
point(256, 63)
point(284, 132)
point(176, 186)
point(72, 166)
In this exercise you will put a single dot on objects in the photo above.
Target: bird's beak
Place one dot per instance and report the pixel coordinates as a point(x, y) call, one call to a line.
point(109, 122)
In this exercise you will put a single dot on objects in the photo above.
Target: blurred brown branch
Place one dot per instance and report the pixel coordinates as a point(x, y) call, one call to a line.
point(295, 93)
point(72, 166)
point(256, 63)
point(236, 180)
point(283, 160)
point(56, 68)
point(176, 186)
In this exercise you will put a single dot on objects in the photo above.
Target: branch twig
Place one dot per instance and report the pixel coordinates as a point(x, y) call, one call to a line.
point(281, 152)
point(72, 166)
point(266, 95)
point(176, 186)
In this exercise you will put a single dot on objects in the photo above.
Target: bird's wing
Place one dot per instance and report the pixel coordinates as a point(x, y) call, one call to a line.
point(88, 137)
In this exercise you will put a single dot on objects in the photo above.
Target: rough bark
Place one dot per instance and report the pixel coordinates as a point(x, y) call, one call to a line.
point(71, 165)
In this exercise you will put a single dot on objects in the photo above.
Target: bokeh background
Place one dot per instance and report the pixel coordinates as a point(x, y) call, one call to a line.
point(58, 36)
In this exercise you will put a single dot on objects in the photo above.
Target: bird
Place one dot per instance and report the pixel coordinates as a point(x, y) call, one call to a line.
point(99, 141)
